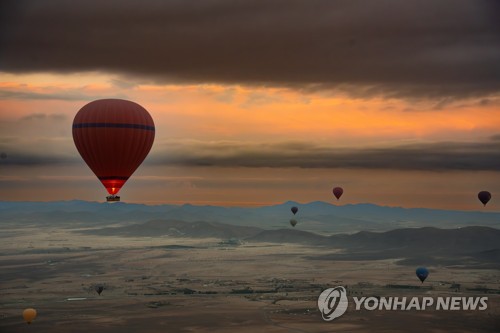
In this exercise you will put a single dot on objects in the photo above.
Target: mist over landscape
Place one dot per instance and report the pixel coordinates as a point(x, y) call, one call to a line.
point(160, 257)
point(363, 231)
point(316, 216)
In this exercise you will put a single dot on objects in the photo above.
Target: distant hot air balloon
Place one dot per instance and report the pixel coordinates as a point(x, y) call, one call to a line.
point(484, 197)
point(293, 222)
point(29, 315)
point(99, 289)
point(294, 210)
point(113, 136)
point(337, 192)
point(422, 273)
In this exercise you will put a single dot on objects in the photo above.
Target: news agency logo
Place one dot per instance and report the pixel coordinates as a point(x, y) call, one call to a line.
point(333, 303)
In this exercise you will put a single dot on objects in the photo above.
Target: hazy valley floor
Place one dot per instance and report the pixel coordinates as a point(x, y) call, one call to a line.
point(165, 284)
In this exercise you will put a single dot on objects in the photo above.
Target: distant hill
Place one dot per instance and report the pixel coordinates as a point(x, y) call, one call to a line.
point(468, 246)
point(318, 217)
point(424, 240)
point(361, 232)
point(471, 246)
point(419, 240)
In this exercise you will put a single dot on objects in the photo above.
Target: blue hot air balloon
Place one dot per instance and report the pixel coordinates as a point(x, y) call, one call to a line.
point(422, 273)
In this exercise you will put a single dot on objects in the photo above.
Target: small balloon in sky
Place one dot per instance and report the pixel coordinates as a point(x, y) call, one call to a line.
point(484, 197)
point(293, 222)
point(294, 210)
point(99, 288)
point(337, 192)
point(422, 273)
point(29, 315)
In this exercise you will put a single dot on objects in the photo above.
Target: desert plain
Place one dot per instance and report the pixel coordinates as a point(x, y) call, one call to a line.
point(175, 284)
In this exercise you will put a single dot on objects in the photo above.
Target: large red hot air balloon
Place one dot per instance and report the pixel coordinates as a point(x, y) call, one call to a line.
point(113, 136)
point(337, 192)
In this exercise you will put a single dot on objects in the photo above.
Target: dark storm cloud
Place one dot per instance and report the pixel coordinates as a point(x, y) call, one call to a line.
point(445, 156)
point(17, 157)
point(62, 96)
point(9, 94)
point(394, 48)
point(434, 157)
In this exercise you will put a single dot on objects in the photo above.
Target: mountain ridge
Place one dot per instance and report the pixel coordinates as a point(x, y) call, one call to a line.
point(316, 216)
point(476, 245)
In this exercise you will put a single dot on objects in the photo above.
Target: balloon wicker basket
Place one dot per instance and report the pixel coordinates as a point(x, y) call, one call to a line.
point(112, 198)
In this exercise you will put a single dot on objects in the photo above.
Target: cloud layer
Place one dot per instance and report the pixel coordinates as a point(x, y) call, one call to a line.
point(440, 156)
point(393, 48)
point(430, 156)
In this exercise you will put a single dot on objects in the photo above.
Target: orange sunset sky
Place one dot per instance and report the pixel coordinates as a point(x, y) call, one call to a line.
point(259, 102)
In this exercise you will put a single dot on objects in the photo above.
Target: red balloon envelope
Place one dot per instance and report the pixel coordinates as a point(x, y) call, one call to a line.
point(337, 192)
point(113, 136)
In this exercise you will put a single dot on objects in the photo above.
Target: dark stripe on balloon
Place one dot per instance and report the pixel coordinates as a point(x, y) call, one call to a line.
point(112, 125)
point(113, 178)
